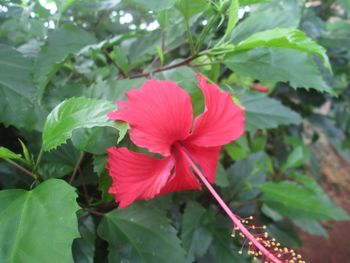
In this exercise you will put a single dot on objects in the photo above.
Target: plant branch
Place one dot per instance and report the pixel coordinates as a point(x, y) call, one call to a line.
point(160, 69)
point(114, 63)
point(24, 170)
point(76, 168)
point(86, 194)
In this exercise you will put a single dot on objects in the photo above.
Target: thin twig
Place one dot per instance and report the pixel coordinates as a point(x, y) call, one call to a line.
point(24, 170)
point(86, 194)
point(160, 69)
point(76, 168)
point(95, 212)
point(114, 63)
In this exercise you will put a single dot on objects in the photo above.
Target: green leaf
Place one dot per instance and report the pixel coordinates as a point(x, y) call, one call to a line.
point(247, 175)
point(275, 216)
point(250, 2)
point(140, 233)
point(59, 162)
point(38, 225)
point(221, 176)
point(310, 183)
point(281, 15)
point(269, 64)
point(310, 226)
point(7, 154)
point(284, 232)
point(63, 5)
point(144, 47)
point(28, 157)
point(154, 5)
point(232, 17)
point(121, 59)
point(184, 76)
point(105, 182)
point(290, 38)
point(222, 249)
point(262, 112)
point(84, 247)
point(94, 140)
point(72, 114)
point(17, 100)
point(113, 90)
point(294, 201)
point(297, 157)
point(59, 45)
point(195, 236)
point(189, 8)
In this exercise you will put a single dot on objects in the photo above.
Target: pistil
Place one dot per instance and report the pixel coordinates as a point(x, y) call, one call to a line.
point(235, 219)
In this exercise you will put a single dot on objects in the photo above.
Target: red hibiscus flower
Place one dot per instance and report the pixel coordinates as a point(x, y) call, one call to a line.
point(161, 119)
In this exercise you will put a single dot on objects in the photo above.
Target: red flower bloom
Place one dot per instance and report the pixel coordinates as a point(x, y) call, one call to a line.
point(160, 118)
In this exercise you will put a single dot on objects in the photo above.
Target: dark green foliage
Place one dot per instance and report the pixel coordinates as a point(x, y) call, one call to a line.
point(61, 70)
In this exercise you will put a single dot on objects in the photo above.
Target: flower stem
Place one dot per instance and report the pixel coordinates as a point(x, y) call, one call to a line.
point(228, 211)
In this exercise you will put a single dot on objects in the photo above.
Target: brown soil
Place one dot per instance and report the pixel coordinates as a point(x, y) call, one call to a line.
point(336, 182)
point(337, 248)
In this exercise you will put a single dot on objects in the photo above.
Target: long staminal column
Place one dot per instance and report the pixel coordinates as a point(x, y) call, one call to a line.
point(236, 221)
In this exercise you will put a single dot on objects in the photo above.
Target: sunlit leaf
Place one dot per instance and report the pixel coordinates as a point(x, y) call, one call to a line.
point(262, 112)
point(48, 214)
point(269, 64)
point(8, 154)
point(290, 38)
point(72, 114)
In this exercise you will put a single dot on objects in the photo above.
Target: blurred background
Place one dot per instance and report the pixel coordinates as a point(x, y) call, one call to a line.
point(291, 169)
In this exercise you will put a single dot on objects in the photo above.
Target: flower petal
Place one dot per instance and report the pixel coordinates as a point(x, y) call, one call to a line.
point(159, 114)
point(136, 176)
point(206, 157)
point(182, 178)
point(222, 120)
